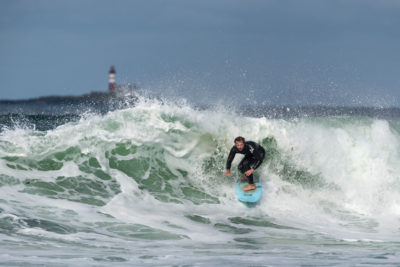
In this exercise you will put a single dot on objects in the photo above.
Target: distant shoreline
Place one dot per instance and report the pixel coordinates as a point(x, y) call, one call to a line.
point(93, 96)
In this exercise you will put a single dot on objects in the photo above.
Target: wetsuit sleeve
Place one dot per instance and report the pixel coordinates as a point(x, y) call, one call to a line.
point(259, 154)
point(230, 158)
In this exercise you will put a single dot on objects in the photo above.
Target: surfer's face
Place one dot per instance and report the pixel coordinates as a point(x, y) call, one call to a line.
point(239, 145)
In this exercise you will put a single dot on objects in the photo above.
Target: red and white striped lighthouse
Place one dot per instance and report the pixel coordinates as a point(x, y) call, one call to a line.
point(111, 80)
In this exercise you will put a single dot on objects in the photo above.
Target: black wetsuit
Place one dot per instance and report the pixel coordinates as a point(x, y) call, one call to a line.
point(253, 157)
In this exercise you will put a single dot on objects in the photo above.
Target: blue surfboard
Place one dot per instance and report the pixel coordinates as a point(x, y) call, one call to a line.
point(252, 196)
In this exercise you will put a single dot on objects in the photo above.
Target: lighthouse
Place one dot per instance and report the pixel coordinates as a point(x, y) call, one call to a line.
point(111, 80)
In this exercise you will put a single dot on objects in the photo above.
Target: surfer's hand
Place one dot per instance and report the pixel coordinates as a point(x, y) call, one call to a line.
point(249, 172)
point(227, 173)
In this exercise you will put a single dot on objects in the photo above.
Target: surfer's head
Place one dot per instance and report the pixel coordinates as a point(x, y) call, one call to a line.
point(239, 143)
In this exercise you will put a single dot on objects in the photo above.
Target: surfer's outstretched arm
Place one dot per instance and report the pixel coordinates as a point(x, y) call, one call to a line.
point(231, 156)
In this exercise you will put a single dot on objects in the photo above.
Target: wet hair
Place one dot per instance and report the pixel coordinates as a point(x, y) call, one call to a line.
point(239, 139)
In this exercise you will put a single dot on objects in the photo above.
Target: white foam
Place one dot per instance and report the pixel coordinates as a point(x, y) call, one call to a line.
point(358, 162)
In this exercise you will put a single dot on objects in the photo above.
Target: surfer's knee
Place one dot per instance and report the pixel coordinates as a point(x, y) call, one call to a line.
point(241, 168)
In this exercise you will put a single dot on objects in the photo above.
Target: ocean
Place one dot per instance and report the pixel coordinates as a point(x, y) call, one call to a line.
point(143, 185)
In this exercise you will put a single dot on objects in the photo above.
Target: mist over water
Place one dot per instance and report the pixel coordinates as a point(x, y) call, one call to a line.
point(144, 185)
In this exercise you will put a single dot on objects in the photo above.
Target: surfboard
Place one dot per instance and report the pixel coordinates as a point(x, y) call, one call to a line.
point(252, 196)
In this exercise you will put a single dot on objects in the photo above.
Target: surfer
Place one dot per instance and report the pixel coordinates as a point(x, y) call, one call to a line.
point(253, 157)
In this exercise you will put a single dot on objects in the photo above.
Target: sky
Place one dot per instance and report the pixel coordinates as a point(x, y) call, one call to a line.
point(272, 52)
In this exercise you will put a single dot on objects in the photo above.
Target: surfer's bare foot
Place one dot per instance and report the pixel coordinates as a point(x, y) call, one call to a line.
point(249, 187)
point(243, 178)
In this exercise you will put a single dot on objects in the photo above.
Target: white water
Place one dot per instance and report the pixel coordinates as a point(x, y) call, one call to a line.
point(348, 214)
